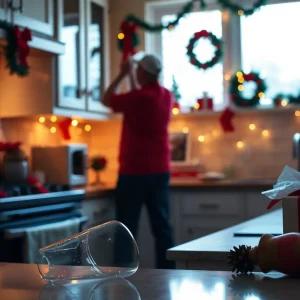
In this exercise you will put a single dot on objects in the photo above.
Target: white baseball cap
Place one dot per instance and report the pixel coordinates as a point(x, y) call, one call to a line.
point(148, 62)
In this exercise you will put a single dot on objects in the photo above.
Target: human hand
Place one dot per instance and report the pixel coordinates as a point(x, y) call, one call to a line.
point(126, 67)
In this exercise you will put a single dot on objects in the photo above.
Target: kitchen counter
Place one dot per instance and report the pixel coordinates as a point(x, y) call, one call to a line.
point(147, 284)
point(210, 252)
point(263, 184)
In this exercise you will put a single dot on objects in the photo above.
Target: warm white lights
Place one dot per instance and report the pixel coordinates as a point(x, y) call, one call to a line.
point(42, 119)
point(240, 144)
point(185, 129)
point(252, 127)
point(201, 138)
point(53, 129)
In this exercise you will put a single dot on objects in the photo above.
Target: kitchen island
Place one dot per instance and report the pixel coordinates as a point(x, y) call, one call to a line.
point(197, 208)
point(210, 252)
point(147, 284)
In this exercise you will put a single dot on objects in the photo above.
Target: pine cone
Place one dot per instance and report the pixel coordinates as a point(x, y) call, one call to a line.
point(239, 260)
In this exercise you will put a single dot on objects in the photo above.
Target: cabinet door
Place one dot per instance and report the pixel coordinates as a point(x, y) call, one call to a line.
point(71, 71)
point(3, 10)
point(97, 51)
point(36, 15)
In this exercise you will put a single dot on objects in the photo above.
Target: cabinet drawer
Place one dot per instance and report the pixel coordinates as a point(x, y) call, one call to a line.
point(212, 204)
point(193, 229)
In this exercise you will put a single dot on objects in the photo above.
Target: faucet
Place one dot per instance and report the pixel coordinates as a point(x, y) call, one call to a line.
point(296, 148)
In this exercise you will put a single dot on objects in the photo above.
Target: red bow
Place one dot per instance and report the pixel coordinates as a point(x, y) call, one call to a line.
point(32, 181)
point(22, 37)
point(128, 29)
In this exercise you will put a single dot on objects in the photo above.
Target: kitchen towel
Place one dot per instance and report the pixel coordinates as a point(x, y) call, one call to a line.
point(40, 236)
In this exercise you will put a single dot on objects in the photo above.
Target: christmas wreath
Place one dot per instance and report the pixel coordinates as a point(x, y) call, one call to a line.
point(17, 49)
point(236, 88)
point(214, 40)
point(236, 8)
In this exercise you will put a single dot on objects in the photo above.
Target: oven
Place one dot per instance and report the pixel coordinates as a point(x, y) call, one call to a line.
point(24, 209)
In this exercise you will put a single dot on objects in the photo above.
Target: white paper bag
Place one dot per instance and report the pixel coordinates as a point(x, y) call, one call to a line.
point(287, 183)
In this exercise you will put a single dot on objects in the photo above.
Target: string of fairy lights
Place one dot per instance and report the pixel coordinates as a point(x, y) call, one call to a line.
point(240, 143)
point(51, 123)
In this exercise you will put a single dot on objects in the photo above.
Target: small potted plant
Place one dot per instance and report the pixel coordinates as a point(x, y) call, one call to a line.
point(98, 164)
point(15, 163)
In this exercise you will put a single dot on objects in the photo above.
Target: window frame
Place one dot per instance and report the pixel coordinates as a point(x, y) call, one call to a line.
point(231, 32)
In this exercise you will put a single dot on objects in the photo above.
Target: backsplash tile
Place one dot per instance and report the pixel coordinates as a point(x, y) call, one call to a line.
point(262, 157)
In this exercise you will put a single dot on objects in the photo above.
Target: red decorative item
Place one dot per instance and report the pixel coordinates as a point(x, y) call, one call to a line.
point(6, 147)
point(205, 103)
point(22, 37)
point(128, 29)
point(280, 254)
point(64, 126)
point(176, 105)
point(226, 120)
point(3, 194)
point(32, 181)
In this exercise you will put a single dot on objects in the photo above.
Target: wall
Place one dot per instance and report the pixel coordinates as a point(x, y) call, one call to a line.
point(262, 157)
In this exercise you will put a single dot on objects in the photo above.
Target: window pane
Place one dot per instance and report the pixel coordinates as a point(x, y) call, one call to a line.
point(270, 46)
point(191, 81)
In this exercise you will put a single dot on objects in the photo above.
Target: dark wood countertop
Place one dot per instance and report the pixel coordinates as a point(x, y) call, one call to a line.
point(147, 285)
point(192, 184)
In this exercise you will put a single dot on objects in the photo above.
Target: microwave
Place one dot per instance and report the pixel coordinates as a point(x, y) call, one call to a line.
point(64, 165)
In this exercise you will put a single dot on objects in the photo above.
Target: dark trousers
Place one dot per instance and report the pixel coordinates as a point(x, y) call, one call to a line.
point(133, 191)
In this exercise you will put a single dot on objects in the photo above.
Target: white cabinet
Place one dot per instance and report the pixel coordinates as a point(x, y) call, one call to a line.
point(203, 212)
point(3, 10)
point(256, 204)
point(83, 70)
point(98, 211)
point(36, 15)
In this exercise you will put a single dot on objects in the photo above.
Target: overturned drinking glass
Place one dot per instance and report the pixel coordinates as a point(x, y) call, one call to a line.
point(105, 251)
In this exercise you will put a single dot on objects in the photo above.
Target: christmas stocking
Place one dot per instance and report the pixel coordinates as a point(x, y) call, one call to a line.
point(226, 120)
point(64, 128)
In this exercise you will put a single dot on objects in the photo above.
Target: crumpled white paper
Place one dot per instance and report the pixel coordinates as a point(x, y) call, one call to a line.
point(287, 183)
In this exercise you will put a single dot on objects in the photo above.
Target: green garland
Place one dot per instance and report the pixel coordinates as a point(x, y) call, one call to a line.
point(235, 91)
point(11, 51)
point(187, 8)
point(214, 40)
point(235, 8)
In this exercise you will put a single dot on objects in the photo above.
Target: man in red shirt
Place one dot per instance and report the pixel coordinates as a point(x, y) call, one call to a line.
point(144, 157)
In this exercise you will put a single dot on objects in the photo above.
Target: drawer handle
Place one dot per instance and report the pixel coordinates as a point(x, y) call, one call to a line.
point(209, 206)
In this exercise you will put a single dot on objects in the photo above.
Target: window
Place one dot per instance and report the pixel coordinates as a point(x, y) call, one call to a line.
point(192, 81)
point(265, 42)
point(269, 45)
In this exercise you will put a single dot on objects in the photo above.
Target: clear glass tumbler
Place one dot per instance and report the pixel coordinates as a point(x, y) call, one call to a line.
point(112, 289)
point(105, 251)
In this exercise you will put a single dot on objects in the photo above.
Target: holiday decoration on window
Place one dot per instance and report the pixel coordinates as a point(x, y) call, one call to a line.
point(128, 39)
point(215, 42)
point(236, 89)
point(17, 49)
point(280, 254)
point(226, 120)
point(282, 100)
point(176, 93)
point(204, 103)
point(239, 9)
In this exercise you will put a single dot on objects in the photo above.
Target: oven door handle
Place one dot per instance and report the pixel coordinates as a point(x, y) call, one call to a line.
point(14, 233)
